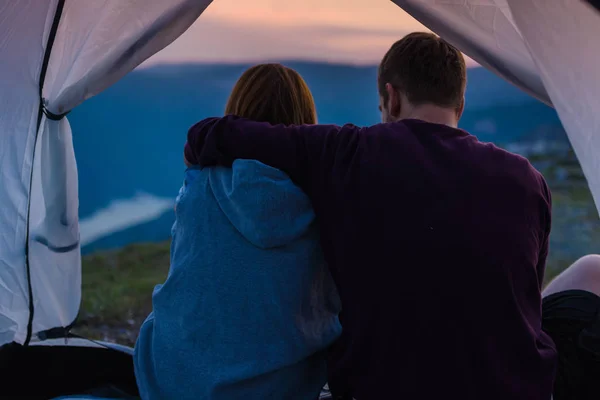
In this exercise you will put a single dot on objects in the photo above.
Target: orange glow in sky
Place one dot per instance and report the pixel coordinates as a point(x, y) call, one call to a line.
point(345, 31)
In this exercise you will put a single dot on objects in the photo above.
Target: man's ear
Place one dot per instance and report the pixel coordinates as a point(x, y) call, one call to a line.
point(394, 105)
point(459, 111)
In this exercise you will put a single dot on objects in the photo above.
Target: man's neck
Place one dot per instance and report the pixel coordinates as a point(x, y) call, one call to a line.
point(434, 114)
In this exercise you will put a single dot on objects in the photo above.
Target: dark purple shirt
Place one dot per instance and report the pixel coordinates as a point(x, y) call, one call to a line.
point(437, 243)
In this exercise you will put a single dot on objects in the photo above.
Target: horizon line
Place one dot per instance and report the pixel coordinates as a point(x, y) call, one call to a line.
point(163, 63)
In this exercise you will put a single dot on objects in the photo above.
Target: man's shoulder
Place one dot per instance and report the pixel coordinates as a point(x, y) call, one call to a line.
point(519, 162)
point(517, 167)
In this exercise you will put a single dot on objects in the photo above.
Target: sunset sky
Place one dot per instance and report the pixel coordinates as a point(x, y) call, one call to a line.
point(348, 31)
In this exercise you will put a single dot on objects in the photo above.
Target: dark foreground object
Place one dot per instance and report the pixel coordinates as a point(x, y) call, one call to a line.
point(45, 371)
point(81, 367)
point(572, 319)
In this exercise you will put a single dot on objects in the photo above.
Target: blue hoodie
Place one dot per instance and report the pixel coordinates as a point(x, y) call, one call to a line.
point(249, 306)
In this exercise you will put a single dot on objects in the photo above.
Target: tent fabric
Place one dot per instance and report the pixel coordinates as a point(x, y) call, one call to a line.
point(22, 28)
point(545, 47)
point(96, 43)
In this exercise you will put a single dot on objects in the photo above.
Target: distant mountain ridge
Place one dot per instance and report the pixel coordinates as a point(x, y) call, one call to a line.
point(129, 139)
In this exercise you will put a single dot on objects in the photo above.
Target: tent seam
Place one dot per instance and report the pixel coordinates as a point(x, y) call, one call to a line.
point(47, 52)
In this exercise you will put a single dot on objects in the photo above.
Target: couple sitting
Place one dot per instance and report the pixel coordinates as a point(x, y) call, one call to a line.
point(436, 243)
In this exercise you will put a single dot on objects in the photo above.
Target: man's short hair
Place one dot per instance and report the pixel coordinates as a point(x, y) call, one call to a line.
point(426, 68)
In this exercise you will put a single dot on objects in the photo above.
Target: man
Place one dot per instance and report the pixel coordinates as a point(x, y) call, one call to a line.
point(437, 242)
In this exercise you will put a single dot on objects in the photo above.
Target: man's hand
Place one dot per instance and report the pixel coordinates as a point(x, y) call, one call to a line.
point(185, 157)
point(194, 152)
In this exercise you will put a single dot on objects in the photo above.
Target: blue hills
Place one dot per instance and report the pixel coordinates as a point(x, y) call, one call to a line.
point(129, 139)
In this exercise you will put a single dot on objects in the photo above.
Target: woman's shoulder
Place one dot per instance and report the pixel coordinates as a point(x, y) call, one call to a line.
point(256, 168)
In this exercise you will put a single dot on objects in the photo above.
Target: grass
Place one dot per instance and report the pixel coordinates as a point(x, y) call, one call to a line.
point(117, 290)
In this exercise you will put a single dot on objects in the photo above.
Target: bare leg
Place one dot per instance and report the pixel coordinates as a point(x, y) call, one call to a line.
point(584, 274)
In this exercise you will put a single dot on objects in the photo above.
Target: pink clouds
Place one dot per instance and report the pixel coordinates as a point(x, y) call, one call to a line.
point(348, 31)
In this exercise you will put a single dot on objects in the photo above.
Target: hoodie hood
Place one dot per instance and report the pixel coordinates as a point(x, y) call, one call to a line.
point(261, 202)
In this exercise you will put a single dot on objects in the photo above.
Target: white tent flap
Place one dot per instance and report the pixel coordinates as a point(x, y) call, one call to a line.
point(100, 41)
point(96, 42)
point(546, 47)
point(562, 39)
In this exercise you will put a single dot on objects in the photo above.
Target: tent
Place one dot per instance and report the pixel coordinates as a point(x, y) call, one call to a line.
point(58, 53)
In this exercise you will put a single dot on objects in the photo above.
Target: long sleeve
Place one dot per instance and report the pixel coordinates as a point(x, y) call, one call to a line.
point(307, 153)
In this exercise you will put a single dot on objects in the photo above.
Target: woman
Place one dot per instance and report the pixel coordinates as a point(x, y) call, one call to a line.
point(248, 308)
